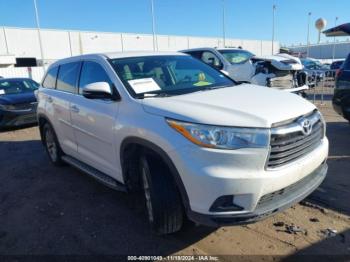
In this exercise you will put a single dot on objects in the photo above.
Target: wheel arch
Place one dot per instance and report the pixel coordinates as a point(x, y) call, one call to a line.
point(147, 145)
point(42, 119)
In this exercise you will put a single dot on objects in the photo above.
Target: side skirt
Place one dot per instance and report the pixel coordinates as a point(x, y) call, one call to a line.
point(99, 176)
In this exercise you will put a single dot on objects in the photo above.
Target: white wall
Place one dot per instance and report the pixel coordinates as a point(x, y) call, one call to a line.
point(325, 50)
point(35, 73)
point(24, 42)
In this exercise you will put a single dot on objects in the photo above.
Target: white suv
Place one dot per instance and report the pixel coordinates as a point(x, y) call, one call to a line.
point(194, 141)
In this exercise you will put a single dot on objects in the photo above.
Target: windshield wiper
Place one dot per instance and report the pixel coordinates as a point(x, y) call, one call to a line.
point(214, 87)
point(146, 95)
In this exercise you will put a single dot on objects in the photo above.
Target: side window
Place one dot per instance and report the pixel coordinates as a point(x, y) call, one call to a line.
point(67, 77)
point(50, 78)
point(211, 59)
point(90, 73)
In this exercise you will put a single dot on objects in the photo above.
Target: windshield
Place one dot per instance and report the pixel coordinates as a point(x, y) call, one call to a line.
point(17, 86)
point(167, 75)
point(236, 56)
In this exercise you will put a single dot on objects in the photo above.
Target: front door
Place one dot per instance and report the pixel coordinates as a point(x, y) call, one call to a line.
point(94, 122)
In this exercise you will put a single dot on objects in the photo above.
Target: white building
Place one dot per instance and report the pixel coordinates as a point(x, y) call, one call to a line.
point(19, 43)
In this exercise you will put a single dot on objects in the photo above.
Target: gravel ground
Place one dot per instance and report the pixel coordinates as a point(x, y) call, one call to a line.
point(45, 210)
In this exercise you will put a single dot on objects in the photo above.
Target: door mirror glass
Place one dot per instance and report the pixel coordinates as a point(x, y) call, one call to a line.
point(98, 90)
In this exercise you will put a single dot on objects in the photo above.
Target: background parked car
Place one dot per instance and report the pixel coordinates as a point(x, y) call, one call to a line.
point(335, 66)
point(315, 70)
point(341, 98)
point(280, 71)
point(17, 101)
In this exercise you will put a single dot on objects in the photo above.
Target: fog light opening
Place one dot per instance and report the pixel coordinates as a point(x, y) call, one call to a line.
point(225, 204)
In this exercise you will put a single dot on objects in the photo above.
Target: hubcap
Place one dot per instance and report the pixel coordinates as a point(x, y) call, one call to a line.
point(147, 195)
point(51, 145)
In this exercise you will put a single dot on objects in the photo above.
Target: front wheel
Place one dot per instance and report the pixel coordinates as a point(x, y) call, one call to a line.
point(163, 201)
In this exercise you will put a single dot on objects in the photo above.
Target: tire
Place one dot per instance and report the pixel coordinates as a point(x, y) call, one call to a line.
point(52, 146)
point(163, 201)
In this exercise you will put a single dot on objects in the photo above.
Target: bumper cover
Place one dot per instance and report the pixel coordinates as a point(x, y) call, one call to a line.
point(278, 201)
point(17, 118)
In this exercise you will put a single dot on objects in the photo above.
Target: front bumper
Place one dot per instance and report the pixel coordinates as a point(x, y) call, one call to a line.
point(17, 118)
point(208, 174)
point(268, 204)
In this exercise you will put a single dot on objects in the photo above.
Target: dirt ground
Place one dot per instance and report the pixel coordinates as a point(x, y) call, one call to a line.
point(45, 210)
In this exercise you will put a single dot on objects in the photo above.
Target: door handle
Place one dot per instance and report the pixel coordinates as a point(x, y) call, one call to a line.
point(74, 109)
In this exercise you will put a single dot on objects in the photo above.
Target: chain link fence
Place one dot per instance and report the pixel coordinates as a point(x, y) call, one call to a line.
point(321, 87)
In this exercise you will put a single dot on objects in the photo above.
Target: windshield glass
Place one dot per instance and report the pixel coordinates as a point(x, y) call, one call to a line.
point(167, 75)
point(17, 86)
point(236, 56)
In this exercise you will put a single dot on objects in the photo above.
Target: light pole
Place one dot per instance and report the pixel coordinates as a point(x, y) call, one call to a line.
point(153, 27)
point(223, 24)
point(5, 38)
point(308, 34)
point(333, 55)
point(273, 28)
point(39, 33)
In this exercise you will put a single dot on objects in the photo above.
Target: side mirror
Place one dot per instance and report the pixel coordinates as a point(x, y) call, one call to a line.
point(100, 90)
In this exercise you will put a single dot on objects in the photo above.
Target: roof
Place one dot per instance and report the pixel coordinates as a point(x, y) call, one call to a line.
point(114, 55)
point(14, 78)
point(139, 53)
point(197, 49)
point(340, 30)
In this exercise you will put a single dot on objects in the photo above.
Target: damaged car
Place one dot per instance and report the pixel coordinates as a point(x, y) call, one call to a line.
point(280, 71)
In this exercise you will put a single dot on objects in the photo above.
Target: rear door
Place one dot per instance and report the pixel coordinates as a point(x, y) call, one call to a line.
point(94, 121)
point(58, 105)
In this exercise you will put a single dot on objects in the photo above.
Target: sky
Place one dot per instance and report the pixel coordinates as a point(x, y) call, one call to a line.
point(245, 19)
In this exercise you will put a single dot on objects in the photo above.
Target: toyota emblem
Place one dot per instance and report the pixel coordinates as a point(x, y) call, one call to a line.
point(306, 126)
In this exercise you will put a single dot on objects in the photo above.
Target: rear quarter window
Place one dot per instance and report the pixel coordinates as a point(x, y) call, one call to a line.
point(67, 77)
point(50, 78)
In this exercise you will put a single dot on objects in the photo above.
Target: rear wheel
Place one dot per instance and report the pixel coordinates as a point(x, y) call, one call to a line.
point(52, 146)
point(163, 201)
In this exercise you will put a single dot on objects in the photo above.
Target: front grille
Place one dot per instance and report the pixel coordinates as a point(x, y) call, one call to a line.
point(288, 191)
point(290, 142)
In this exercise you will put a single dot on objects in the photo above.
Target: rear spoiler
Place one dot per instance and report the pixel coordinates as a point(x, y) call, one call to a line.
point(340, 30)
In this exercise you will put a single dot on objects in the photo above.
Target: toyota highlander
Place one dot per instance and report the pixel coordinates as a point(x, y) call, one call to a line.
point(196, 143)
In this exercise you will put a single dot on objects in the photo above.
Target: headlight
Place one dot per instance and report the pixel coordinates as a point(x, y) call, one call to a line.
point(222, 137)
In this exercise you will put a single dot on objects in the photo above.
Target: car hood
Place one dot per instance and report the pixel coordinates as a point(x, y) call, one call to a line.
point(282, 61)
point(17, 98)
point(243, 105)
